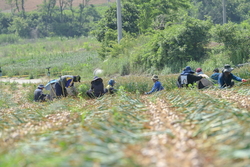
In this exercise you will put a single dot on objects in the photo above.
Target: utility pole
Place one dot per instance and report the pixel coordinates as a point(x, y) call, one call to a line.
point(1, 76)
point(119, 20)
point(224, 11)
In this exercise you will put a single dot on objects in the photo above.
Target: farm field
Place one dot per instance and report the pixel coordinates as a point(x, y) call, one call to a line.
point(174, 127)
point(32, 4)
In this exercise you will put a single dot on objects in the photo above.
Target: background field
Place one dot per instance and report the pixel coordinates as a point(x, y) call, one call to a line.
point(32, 4)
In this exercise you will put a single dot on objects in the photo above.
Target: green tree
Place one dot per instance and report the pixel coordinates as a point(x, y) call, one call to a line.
point(236, 10)
point(235, 39)
point(176, 45)
point(5, 20)
point(130, 16)
point(151, 9)
point(20, 26)
point(19, 5)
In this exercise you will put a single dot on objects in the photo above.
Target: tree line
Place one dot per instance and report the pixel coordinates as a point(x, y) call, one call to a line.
point(177, 31)
point(49, 19)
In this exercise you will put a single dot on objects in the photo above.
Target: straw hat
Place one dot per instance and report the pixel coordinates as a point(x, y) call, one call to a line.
point(155, 77)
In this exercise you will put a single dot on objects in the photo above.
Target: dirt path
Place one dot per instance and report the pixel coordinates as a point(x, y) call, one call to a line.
point(22, 80)
point(163, 150)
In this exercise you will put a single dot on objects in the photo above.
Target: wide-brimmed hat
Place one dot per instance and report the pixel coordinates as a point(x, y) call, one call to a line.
point(188, 70)
point(40, 86)
point(96, 79)
point(155, 77)
point(227, 68)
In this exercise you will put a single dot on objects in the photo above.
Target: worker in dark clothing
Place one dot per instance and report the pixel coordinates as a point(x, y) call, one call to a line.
point(225, 78)
point(187, 77)
point(66, 81)
point(38, 94)
point(97, 88)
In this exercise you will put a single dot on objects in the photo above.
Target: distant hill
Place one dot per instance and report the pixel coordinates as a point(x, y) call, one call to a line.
point(32, 4)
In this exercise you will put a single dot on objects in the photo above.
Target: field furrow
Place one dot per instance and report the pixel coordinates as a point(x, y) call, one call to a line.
point(178, 149)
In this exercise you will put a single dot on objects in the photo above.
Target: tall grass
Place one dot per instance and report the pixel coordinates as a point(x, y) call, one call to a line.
point(63, 55)
point(6, 39)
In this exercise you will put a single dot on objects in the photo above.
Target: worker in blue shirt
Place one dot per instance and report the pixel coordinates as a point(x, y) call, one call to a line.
point(215, 75)
point(225, 78)
point(157, 85)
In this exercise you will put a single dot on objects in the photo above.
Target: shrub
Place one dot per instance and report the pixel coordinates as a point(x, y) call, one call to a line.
point(175, 46)
point(8, 38)
point(236, 40)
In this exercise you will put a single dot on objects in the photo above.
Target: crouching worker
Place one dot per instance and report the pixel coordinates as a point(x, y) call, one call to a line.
point(204, 82)
point(225, 78)
point(110, 88)
point(187, 77)
point(157, 85)
point(38, 94)
point(66, 81)
point(97, 88)
point(215, 75)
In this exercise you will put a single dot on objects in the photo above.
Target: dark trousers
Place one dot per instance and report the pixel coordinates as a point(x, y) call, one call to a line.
point(60, 91)
point(93, 95)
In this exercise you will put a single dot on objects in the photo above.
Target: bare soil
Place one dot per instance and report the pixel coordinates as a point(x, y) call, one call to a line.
point(32, 4)
point(22, 80)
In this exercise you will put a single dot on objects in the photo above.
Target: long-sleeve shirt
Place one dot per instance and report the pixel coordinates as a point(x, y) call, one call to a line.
point(215, 76)
point(157, 87)
point(66, 81)
point(226, 81)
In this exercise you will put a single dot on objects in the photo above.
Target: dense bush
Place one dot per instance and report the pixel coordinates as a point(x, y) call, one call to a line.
point(8, 38)
point(175, 46)
point(235, 39)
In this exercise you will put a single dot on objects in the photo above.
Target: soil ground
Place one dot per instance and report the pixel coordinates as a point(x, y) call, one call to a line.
point(21, 80)
point(32, 4)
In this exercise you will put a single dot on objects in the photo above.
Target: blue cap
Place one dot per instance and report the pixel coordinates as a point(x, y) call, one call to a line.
point(111, 82)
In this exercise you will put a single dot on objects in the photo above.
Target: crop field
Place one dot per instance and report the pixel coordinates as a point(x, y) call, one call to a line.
point(174, 127)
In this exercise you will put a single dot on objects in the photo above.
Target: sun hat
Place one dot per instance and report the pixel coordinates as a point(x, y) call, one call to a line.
point(40, 86)
point(155, 77)
point(227, 68)
point(96, 79)
point(187, 70)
